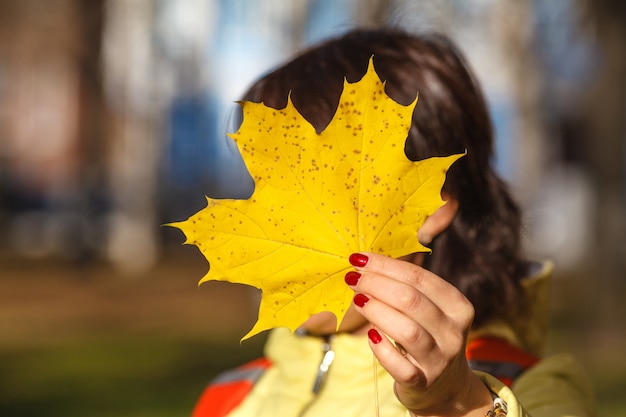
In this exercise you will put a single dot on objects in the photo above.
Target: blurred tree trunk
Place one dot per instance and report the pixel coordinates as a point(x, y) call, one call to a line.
point(131, 70)
point(93, 136)
point(606, 108)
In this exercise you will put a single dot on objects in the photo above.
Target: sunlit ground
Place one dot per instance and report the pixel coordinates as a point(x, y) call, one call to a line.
point(81, 341)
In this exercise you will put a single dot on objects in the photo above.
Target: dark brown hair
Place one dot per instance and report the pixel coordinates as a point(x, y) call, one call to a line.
point(479, 251)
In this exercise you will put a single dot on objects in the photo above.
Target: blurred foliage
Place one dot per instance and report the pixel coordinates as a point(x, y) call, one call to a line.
point(83, 340)
point(118, 375)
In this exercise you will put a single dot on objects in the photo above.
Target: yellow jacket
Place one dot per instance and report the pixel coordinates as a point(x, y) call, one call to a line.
point(356, 385)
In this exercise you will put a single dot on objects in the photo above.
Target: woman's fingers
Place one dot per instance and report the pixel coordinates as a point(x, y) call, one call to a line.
point(398, 363)
point(396, 324)
point(440, 292)
point(400, 304)
point(418, 345)
point(427, 320)
point(413, 306)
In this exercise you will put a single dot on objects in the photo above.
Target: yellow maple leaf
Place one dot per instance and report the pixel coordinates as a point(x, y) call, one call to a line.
point(318, 199)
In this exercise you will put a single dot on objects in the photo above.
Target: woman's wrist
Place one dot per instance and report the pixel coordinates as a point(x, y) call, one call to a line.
point(474, 401)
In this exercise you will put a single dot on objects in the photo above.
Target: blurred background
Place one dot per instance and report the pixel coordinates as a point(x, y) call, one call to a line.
point(113, 116)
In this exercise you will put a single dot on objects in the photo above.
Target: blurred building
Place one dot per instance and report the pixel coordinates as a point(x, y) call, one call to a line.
point(47, 102)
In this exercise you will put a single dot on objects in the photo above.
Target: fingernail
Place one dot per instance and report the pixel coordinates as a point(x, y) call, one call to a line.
point(352, 278)
point(358, 259)
point(374, 336)
point(360, 300)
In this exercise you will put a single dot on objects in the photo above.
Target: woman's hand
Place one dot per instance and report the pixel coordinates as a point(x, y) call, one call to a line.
point(428, 319)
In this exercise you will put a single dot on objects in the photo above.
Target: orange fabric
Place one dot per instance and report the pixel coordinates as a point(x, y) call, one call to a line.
point(220, 398)
point(492, 350)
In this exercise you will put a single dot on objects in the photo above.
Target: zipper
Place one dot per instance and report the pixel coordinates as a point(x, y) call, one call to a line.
point(328, 356)
point(327, 360)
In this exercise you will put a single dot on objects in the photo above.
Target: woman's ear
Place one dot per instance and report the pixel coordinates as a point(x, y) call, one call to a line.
point(438, 221)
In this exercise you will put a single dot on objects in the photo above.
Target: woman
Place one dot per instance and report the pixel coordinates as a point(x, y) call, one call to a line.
point(472, 305)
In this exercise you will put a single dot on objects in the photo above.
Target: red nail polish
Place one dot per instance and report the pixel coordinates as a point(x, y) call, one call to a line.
point(352, 278)
point(374, 336)
point(361, 299)
point(358, 259)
